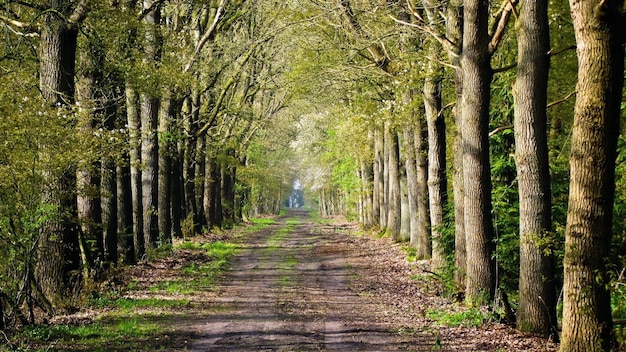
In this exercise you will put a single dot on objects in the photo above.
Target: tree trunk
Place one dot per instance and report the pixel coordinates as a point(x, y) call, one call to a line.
point(587, 322)
point(88, 175)
point(477, 74)
point(134, 136)
point(394, 196)
point(424, 248)
point(149, 137)
point(58, 242)
point(405, 214)
point(411, 175)
point(149, 170)
point(437, 180)
point(366, 186)
point(202, 146)
point(537, 292)
point(454, 33)
point(191, 112)
point(377, 196)
point(124, 214)
point(208, 198)
point(166, 150)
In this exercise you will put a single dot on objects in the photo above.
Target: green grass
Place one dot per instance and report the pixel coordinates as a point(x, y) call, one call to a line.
point(125, 333)
point(130, 304)
point(469, 318)
point(201, 276)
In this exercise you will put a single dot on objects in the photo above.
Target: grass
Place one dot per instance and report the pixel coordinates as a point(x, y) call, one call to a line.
point(469, 318)
point(121, 333)
point(127, 305)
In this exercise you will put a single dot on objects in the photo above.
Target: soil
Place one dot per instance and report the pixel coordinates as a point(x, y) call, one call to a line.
point(320, 288)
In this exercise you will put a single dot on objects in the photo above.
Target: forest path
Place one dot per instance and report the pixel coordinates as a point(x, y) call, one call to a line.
point(304, 284)
point(289, 290)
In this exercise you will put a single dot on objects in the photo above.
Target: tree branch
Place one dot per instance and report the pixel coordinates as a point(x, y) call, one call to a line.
point(561, 50)
point(500, 129)
point(564, 99)
point(498, 34)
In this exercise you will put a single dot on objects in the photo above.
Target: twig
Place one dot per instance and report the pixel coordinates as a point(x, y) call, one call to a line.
point(561, 100)
point(500, 129)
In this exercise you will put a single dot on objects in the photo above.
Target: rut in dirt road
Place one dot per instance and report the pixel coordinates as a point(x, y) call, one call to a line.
point(289, 291)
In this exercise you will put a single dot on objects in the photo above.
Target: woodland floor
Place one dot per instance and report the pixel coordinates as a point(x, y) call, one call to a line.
point(305, 285)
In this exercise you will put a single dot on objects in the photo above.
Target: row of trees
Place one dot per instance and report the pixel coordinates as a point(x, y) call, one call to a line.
point(128, 123)
point(473, 173)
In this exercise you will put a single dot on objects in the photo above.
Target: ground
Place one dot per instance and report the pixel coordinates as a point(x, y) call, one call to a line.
point(302, 284)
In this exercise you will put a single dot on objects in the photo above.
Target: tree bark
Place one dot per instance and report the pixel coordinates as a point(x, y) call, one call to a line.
point(395, 201)
point(411, 175)
point(454, 33)
point(599, 30)
point(166, 151)
point(437, 179)
point(149, 138)
point(377, 196)
point(124, 209)
point(366, 187)
point(58, 242)
point(477, 74)
point(134, 136)
point(424, 247)
point(537, 292)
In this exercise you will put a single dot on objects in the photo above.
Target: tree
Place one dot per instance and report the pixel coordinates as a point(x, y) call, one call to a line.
point(599, 29)
point(477, 74)
point(149, 122)
point(58, 242)
point(537, 293)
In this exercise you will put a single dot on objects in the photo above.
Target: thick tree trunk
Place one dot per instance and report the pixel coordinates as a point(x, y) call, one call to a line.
point(437, 180)
point(134, 137)
point(537, 292)
point(477, 74)
point(599, 29)
point(58, 242)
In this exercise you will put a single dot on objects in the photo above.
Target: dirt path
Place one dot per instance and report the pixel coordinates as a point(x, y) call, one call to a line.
point(304, 286)
point(289, 292)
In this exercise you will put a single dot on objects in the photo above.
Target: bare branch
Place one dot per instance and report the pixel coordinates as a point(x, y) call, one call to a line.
point(30, 30)
point(564, 99)
point(507, 10)
point(561, 50)
point(505, 68)
point(500, 129)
